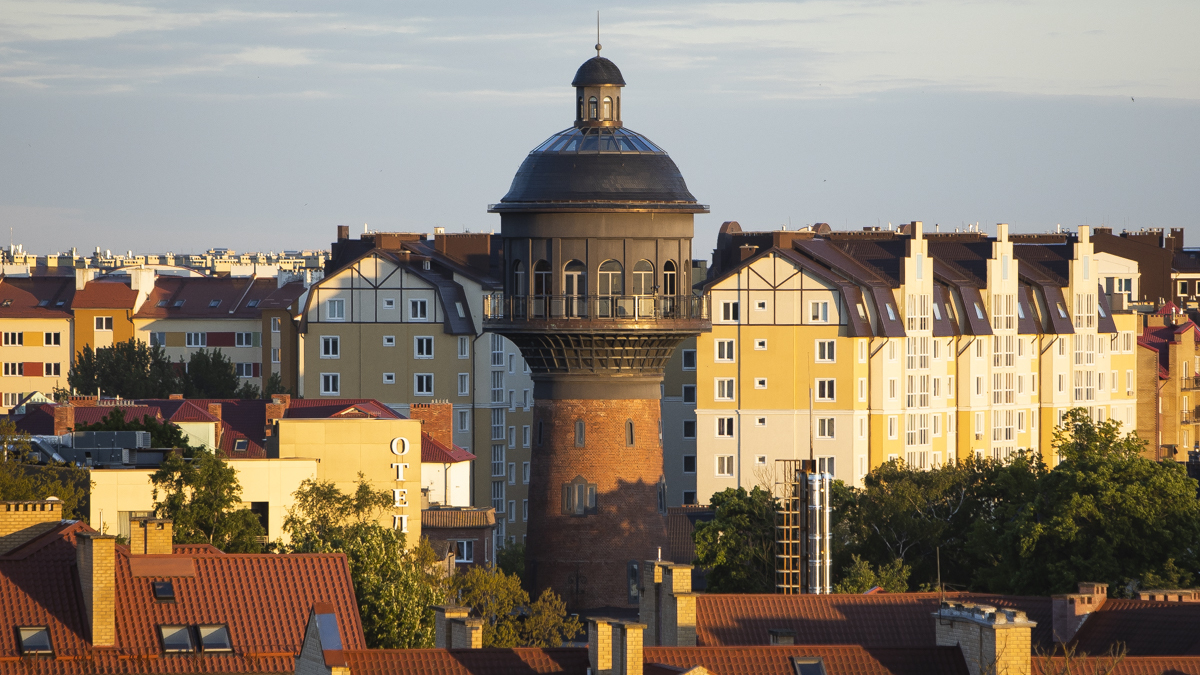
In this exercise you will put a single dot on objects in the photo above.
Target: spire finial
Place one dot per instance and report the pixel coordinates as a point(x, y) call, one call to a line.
point(598, 47)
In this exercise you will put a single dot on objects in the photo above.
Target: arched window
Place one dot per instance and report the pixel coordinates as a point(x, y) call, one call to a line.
point(580, 431)
point(608, 109)
point(669, 287)
point(593, 113)
point(612, 278)
point(541, 278)
point(643, 278)
point(582, 112)
point(629, 433)
point(518, 271)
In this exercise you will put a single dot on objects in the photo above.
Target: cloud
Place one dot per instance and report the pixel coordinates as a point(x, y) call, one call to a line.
point(271, 56)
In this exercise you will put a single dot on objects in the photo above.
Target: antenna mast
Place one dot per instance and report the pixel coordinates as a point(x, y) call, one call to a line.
point(597, 33)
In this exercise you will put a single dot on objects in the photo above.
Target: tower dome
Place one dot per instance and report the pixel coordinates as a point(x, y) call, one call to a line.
point(597, 164)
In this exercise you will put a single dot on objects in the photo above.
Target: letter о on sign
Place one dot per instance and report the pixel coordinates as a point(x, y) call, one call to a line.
point(403, 446)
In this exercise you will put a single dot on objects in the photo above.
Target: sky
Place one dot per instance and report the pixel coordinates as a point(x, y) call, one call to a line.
point(261, 126)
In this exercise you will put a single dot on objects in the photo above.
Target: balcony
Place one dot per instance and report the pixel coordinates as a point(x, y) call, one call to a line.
point(1191, 383)
point(1188, 417)
point(631, 309)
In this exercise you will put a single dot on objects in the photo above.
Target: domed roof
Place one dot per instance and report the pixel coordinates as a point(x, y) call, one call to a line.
point(598, 167)
point(597, 71)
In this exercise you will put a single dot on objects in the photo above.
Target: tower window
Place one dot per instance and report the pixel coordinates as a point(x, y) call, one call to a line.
point(629, 433)
point(578, 497)
point(592, 111)
point(608, 108)
point(579, 433)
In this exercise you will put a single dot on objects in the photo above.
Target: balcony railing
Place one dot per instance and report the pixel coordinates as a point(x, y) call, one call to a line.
point(632, 308)
point(1191, 382)
point(1188, 417)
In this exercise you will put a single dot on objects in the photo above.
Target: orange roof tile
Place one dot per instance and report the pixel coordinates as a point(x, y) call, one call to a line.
point(877, 620)
point(264, 600)
point(518, 661)
point(434, 451)
point(36, 297)
point(839, 659)
point(458, 518)
point(235, 298)
point(105, 294)
point(1146, 627)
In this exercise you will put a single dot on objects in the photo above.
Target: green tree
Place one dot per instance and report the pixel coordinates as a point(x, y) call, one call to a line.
point(511, 559)
point(162, 434)
point(210, 374)
point(130, 369)
point(395, 586)
point(1105, 513)
point(199, 491)
point(22, 479)
point(859, 577)
point(509, 619)
point(275, 386)
point(737, 547)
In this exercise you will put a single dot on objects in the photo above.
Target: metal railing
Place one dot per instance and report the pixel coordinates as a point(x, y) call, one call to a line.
point(1191, 382)
point(498, 307)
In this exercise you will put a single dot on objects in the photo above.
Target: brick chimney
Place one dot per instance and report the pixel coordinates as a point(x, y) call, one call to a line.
point(678, 621)
point(96, 560)
point(176, 397)
point(628, 658)
point(214, 409)
point(992, 640)
point(1070, 610)
point(746, 251)
point(466, 633)
point(64, 419)
point(151, 536)
point(600, 647)
point(437, 420)
point(443, 618)
point(23, 521)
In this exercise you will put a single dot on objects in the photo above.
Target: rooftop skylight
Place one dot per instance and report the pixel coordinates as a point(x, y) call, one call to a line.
point(215, 638)
point(164, 591)
point(35, 640)
point(176, 639)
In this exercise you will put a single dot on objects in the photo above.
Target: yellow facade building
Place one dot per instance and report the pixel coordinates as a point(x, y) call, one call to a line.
point(856, 348)
point(35, 350)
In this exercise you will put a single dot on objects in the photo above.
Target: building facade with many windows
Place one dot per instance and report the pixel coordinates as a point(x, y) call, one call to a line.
point(35, 314)
point(856, 348)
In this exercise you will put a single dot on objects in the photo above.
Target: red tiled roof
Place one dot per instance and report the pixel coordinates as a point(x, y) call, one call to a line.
point(436, 452)
point(1169, 308)
point(311, 408)
point(133, 413)
point(878, 620)
point(105, 294)
point(458, 518)
point(517, 661)
point(23, 297)
point(839, 659)
point(681, 526)
point(237, 298)
point(264, 600)
point(1130, 665)
point(1146, 627)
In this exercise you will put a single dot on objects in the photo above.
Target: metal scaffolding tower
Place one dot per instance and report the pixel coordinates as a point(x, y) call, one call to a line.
point(802, 536)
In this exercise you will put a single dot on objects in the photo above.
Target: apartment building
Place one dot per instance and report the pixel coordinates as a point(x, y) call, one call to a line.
point(247, 319)
point(399, 318)
point(1169, 384)
point(856, 348)
point(35, 314)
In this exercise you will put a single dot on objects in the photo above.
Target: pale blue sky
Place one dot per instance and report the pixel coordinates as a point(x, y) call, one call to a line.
point(186, 125)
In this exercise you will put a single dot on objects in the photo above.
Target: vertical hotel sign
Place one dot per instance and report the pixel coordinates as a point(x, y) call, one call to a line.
point(400, 448)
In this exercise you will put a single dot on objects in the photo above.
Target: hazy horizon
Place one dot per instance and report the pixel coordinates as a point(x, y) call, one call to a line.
point(262, 126)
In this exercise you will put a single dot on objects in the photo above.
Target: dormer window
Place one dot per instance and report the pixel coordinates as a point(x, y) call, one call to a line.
point(214, 303)
point(215, 638)
point(164, 591)
point(177, 639)
point(240, 445)
point(43, 303)
point(252, 303)
point(593, 113)
point(179, 303)
point(162, 303)
point(35, 640)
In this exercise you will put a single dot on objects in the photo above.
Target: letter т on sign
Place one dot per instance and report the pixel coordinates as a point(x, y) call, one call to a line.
point(400, 495)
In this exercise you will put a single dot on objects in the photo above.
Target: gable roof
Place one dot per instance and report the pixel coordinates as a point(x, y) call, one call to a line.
point(36, 297)
point(1146, 627)
point(105, 294)
point(434, 451)
point(516, 661)
point(838, 659)
point(262, 598)
point(898, 620)
point(236, 297)
point(457, 518)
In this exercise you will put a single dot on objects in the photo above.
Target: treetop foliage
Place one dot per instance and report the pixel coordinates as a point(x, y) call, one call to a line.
point(199, 491)
point(509, 619)
point(737, 547)
point(136, 370)
point(22, 479)
point(162, 434)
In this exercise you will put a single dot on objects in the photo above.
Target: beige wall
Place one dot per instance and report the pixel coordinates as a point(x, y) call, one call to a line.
point(386, 452)
point(34, 350)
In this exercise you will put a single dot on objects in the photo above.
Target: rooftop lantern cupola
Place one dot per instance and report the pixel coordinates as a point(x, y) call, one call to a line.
point(598, 84)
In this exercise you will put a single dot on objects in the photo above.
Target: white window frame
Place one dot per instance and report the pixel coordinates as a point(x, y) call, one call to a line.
point(825, 389)
point(464, 384)
point(723, 466)
point(464, 347)
point(276, 355)
point(760, 345)
point(389, 378)
point(730, 311)
point(419, 380)
point(195, 339)
point(818, 311)
point(420, 342)
point(825, 351)
point(331, 384)
point(335, 309)
point(331, 347)
point(389, 303)
point(725, 427)
point(724, 351)
point(275, 324)
point(418, 309)
point(760, 383)
point(724, 389)
point(389, 340)
point(826, 427)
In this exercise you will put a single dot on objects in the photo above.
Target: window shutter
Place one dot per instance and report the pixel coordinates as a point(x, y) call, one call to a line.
point(257, 339)
point(257, 370)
